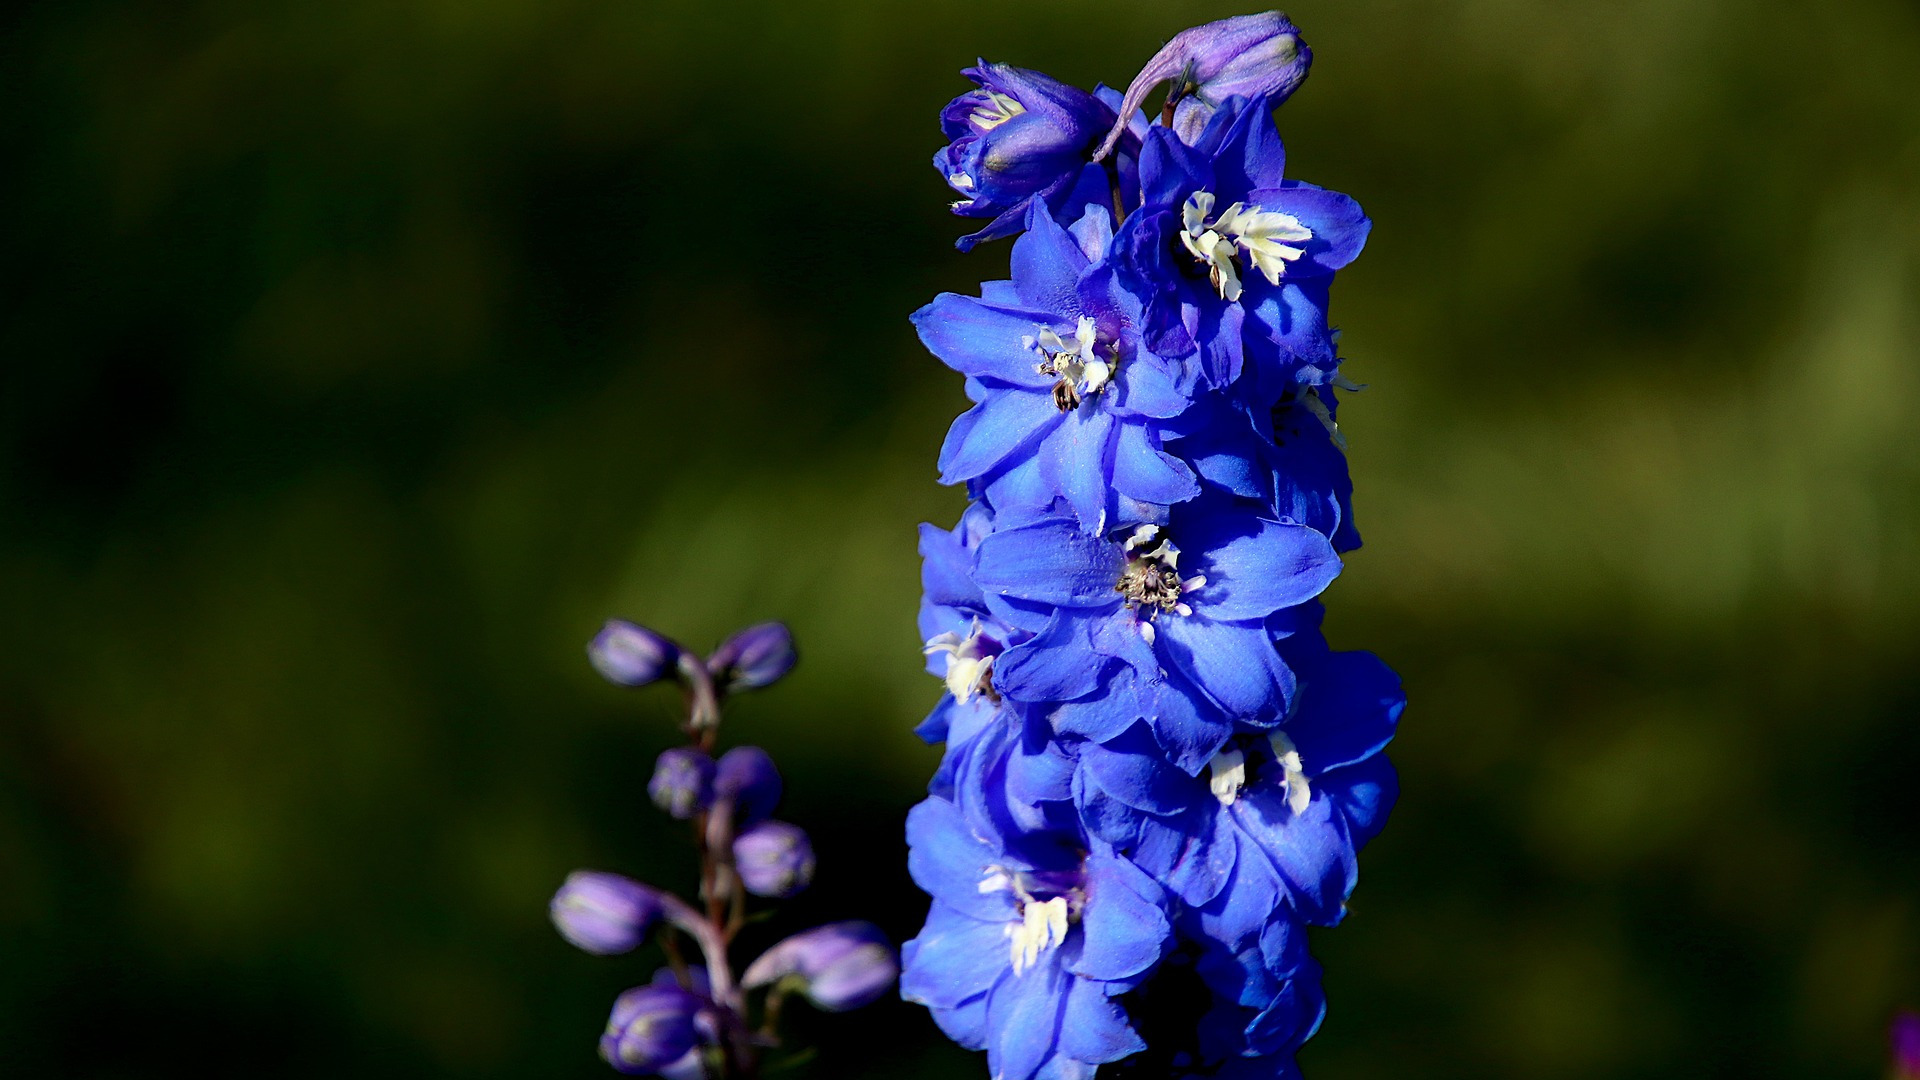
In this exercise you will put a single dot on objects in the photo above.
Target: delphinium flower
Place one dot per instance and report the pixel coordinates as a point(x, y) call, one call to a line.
point(696, 1021)
point(1157, 773)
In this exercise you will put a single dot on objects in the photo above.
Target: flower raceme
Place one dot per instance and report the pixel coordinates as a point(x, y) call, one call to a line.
point(1156, 772)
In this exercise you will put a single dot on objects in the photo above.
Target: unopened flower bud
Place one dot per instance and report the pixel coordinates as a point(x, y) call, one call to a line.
point(604, 914)
point(839, 966)
point(1257, 57)
point(755, 657)
point(1906, 1046)
point(1021, 137)
point(653, 1027)
point(628, 654)
point(773, 858)
point(682, 783)
point(746, 777)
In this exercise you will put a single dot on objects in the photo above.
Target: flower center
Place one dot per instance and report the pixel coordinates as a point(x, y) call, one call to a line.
point(1150, 582)
point(969, 662)
point(1043, 923)
point(995, 110)
point(1229, 769)
point(1268, 238)
point(1075, 363)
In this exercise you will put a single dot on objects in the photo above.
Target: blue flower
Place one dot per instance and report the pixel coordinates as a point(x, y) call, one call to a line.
point(1070, 406)
point(1223, 245)
point(1028, 941)
point(1019, 140)
point(1167, 625)
point(1275, 823)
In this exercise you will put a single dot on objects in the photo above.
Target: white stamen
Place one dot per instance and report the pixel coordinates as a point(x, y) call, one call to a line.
point(1043, 925)
point(1081, 370)
point(961, 180)
point(968, 665)
point(1311, 399)
point(997, 110)
point(1287, 756)
point(1266, 236)
point(1229, 775)
point(1146, 631)
point(997, 880)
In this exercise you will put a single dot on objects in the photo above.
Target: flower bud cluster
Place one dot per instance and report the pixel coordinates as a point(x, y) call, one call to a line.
point(1156, 772)
point(694, 1021)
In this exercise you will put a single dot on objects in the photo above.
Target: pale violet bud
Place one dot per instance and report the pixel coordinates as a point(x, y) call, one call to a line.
point(628, 654)
point(746, 778)
point(755, 657)
point(654, 1027)
point(838, 967)
point(1257, 57)
point(682, 783)
point(604, 914)
point(773, 858)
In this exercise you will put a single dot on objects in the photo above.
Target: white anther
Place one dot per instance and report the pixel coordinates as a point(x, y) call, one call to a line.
point(968, 665)
point(1266, 236)
point(1229, 775)
point(1287, 756)
point(1042, 926)
point(997, 110)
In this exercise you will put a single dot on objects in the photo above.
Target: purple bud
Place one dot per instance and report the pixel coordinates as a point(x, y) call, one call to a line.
point(773, 858)
point(747, 778)
point(753, 658)
point(839, 966)
point(1906, 1045)
point(682, 783)
point(1258, 57)
point(653, 1027)
point(628, 654)
point(604, 914)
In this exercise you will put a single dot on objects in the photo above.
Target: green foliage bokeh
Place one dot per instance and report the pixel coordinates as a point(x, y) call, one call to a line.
point(360, 356)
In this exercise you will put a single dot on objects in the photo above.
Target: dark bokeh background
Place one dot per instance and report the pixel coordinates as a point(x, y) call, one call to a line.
point(359, 356)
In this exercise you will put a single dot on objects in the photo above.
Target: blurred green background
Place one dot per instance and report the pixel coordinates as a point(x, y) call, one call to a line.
point(360, 356)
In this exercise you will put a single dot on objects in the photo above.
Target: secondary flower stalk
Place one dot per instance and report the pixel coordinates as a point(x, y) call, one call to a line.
point(698, 1021)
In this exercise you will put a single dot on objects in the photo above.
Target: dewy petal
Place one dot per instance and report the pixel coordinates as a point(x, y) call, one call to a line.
point(981, 340)
point(953, 958)
point(1051, 562)
point(1275, 565)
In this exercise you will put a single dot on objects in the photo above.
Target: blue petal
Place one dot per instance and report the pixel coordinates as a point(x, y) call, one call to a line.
point(1339, 226)
point(1073, 461)
point(1270, 565)
point(1047, 263)
point(1312, 850)
point(1365, 793)
point(983, 341)
point(1125, 928)
point(1095, 1028)
point(1050, 562)
point(1350, 703)
point(1131, 769)
point(1023, 1019)
point(949, 861)
point(1055, 665)
point(1145, 472)
point(955, 957)
point(1003, 422)
point(1237, 666)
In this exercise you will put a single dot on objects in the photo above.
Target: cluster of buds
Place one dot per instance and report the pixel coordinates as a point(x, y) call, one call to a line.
point(696, 1020)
